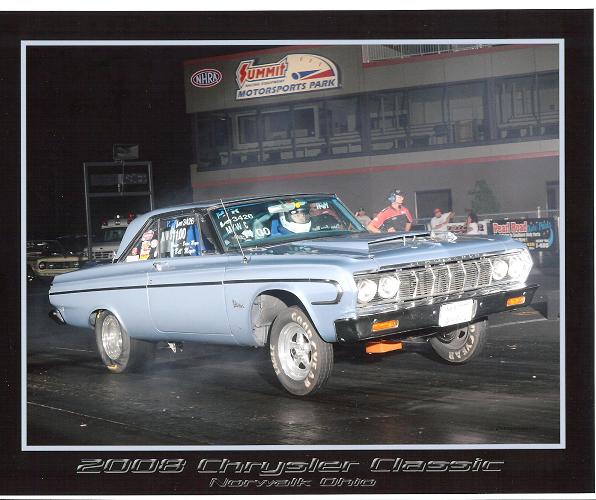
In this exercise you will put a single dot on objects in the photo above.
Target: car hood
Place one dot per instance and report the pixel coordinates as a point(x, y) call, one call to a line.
point(398, 248)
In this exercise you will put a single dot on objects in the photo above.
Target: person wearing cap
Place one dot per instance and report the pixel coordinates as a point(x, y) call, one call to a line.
point(440, 220)
point(394, 218)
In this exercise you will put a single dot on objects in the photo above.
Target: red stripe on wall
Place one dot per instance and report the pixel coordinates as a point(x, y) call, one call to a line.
point(380, 168)
point(444, 55)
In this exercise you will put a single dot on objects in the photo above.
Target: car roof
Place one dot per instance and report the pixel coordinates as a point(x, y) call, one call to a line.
point(139, 221)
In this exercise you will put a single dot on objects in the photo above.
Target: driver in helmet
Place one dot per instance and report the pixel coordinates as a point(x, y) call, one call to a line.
point(294, 221)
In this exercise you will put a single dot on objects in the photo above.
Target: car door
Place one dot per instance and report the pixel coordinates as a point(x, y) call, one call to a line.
point(185, 283)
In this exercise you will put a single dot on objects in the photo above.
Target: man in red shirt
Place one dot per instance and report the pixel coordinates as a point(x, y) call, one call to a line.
point(394, 218)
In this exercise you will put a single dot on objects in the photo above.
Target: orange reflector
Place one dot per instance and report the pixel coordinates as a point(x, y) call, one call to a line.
point(385, 325)
point(382, 346)
point(516, 301)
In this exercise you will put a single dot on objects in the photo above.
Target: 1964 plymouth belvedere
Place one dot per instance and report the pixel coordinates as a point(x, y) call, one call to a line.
point(295, 273)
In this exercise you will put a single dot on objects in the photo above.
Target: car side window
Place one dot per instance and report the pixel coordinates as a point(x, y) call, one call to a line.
point(145, 247)
point(179, 236)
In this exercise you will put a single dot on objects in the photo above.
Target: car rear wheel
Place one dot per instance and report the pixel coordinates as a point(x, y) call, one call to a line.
point(118, 351)
point(461, 345)
point(301, 359)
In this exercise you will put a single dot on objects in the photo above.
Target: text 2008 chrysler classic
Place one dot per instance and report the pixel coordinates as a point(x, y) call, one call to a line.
point(296, 274)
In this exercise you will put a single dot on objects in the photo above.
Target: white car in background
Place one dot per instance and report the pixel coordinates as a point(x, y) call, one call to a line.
point(48, 258)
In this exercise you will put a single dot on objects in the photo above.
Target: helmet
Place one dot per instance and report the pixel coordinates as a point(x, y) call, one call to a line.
point(296, 221)
point(394, 194)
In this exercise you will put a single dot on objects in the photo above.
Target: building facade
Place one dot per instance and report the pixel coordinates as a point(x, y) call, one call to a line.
point(446, 124)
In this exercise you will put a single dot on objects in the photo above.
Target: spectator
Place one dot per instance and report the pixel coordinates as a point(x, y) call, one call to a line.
point(362, 217)
point(440, 220)
point(394, 218)
point(472, 224)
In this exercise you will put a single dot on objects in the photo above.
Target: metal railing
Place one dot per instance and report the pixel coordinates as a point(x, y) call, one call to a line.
point(539, 212)
point(372, 53)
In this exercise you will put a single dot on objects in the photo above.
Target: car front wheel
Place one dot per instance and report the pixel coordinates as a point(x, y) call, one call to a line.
point(118, 351)
point(301, 359)
point(461, 345)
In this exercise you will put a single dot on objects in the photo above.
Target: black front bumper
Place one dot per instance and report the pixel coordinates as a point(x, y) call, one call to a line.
point(421, 318)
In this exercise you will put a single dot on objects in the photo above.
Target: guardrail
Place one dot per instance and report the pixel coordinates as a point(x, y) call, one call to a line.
point(372, 53)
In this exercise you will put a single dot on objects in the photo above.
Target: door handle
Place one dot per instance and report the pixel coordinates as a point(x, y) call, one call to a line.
point(161, 266)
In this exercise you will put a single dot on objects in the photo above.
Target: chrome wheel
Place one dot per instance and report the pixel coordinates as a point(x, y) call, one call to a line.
point(111, 337)
point(295, 351)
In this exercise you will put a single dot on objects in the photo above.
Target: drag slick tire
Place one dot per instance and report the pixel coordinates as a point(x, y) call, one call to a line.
point(118, 351)
point(301, 359)
point(462, 344)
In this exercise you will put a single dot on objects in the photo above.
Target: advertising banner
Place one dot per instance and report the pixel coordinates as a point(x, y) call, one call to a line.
point(537, 233)
point(292, 74)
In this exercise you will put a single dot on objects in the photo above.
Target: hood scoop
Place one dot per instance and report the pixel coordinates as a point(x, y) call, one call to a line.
point(403, 237)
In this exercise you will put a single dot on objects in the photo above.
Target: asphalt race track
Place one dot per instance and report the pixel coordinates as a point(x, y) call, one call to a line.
point(213, 395)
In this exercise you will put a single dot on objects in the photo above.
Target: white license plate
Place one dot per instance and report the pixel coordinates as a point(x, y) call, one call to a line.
point(456, 312)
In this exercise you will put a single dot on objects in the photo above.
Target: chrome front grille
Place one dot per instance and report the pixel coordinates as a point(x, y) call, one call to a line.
point(61, 265)
point(439, 278)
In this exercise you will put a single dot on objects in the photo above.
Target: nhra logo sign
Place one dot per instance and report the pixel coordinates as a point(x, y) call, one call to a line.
point(206, 78)
point(292, 74)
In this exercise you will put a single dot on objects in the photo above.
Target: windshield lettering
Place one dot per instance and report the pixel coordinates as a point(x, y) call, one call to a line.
point(274, 221)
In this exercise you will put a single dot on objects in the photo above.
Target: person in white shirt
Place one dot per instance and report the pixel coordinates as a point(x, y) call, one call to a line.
point(440, 220)
point(472, 224)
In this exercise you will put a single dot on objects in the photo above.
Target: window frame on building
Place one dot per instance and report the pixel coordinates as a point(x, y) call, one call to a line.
point(375, 129)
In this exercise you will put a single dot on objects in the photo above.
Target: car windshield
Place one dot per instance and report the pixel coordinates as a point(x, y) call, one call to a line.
point(261, 223)
point(45, 248)
point(112, 234)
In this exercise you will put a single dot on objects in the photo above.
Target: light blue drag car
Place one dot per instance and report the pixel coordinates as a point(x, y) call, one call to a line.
point(295, 273)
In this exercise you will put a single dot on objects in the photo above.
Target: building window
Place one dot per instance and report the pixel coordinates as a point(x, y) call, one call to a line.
point(516, 107)
point(426, 106)
point(426, 116)
point(427, 201)
point(388, 121)
point(342, 115)
point(343, 125)
point(309, 137)
point(305, 122)
point(276, 124)
point(247, 129)
point(548, 103)
point(466, 112)
point(212, 140)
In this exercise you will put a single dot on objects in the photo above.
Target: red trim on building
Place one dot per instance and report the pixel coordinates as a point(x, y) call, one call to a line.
point(380, 168)
point(251, 54)
point(444, 55)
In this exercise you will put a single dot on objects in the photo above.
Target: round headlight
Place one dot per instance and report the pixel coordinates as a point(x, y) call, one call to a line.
point(500, 268)
point(388, 287)
point(366, 290)
point(519, 266)
point(41, 265)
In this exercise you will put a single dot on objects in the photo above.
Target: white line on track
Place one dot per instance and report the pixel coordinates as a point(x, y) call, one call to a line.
point(77, 350)
point(77, 413)
point(129, 425)
point(517, 323)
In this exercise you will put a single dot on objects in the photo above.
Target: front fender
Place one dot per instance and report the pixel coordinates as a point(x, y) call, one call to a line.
point(324, 300)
